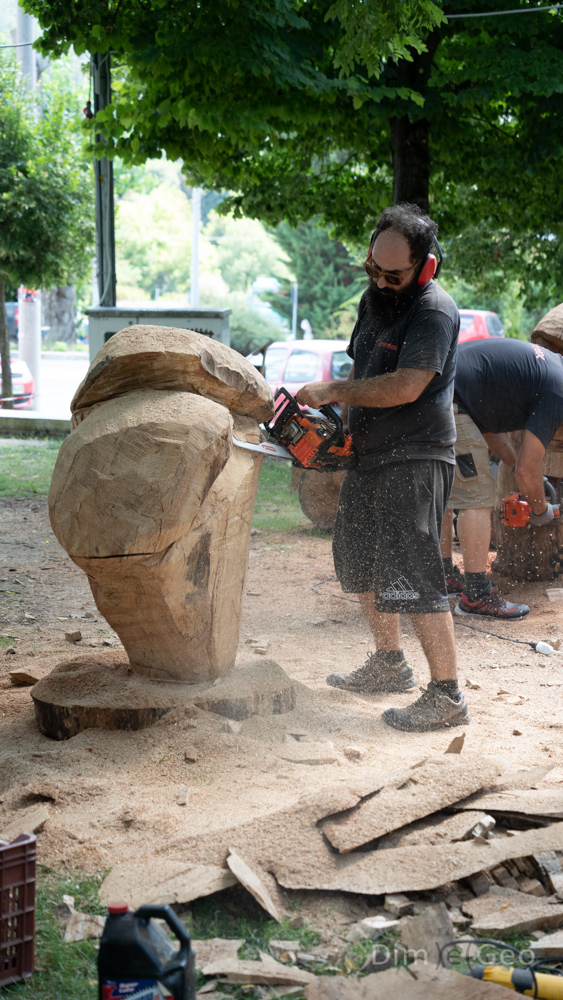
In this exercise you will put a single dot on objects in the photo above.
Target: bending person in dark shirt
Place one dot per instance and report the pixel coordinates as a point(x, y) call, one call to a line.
point(386, 539)
point(500, 386)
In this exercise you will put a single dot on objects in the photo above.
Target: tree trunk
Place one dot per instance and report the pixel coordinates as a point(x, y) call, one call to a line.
point(411, 161)
point(58, 314)
point(410, 147)
point(6, 392)
point(531, 553)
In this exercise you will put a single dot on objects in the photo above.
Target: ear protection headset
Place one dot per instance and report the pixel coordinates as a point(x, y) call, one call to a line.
point(430, 267)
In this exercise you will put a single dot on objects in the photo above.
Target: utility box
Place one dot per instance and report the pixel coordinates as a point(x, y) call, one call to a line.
point(104, 321)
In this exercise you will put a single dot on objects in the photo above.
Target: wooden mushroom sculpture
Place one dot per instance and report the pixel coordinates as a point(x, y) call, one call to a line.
point(152, 500)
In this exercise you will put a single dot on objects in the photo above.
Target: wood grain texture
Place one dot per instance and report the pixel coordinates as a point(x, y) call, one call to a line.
point(437, 783)
point(177, 611)
point(101, 691)
point(420, 983)
point(549, 331)
point(535, 552)
point(166, 358)
point(405, 869)
point(507, 911)
point(133, 476)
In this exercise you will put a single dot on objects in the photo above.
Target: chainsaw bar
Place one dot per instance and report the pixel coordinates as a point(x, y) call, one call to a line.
point(265, 448)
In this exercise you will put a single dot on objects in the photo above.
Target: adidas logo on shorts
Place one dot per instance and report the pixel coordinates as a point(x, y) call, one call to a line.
point(401, 590)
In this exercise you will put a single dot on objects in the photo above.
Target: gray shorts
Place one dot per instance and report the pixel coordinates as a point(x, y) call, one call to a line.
point(387, 535)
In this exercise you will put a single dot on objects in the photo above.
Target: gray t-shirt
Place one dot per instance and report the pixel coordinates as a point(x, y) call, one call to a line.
point(423, 336)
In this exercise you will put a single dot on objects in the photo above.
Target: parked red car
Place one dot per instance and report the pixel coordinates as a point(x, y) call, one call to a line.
point(478, 324)
point(22, 384)
point(293, 363)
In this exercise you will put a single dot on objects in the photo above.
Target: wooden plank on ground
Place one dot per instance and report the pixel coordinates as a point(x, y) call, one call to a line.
point(437, 829)
point(437, 783)
point(252, 882)
point(404, 869)
point(163, 881)
point(506, 911)
point(529, 802)
point(265, 971)
point(420, 983)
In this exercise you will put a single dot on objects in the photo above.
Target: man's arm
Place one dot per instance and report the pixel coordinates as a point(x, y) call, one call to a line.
point(528, 472)
point(394, 389)
point(500, 445)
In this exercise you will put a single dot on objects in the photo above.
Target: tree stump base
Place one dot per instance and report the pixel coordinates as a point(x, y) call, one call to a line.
point(103, 692)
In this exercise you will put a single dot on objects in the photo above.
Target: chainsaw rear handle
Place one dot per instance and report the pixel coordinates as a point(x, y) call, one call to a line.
point(550, 490)
point(331, 414)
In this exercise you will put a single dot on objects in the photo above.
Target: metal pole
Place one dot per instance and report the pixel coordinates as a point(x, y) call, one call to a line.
point(194, 267)
point(29, 337)
point(295, 299)
point(29, 300)
point(103, 174)
point(25, 28)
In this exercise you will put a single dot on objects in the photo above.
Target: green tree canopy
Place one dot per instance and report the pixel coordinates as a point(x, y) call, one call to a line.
point(333, 110)
point(46, 216)
point(326, 275)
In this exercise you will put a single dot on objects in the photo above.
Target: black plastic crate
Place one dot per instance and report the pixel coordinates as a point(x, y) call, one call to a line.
point(17, 908)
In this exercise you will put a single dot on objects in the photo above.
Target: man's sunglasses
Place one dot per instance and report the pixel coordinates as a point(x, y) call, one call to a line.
point(391, 279)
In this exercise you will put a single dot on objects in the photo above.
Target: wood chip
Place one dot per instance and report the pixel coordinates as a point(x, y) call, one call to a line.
point(416, 984)
point(163, 881)
point(253, 883)
point(549, 946)
point(215, 950)
point(505, 911)
point(73, 636)
point(266, 971)
point(437, 829)
point(456, 746)
point(405, 869)
point(528, 802)
point(26, 676)
point(438, 782)
point(307, 753)
point(82, 926)
point(27, 821)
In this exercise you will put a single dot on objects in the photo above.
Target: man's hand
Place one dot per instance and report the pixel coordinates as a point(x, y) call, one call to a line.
point(316, 394)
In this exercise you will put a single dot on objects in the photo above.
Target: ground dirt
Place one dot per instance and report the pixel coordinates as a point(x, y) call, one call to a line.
point(113, 796)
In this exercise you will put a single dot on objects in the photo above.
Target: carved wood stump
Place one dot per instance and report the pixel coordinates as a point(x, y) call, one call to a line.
point(102, 691)
point(533, 553)
point(152, 500)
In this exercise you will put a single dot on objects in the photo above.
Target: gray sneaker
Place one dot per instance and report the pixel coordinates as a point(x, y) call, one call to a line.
point(433, 710)
point(376, 676)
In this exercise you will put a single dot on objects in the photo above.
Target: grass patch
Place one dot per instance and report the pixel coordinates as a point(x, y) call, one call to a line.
point(277, 509)
point(26, 469)
point(63, 970)
point(69, 970)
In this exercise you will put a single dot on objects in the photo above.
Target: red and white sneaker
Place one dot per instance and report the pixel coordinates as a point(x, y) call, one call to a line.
point(455, 583)
point(492, 605)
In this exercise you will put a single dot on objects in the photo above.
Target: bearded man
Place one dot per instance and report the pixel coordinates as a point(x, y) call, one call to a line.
point(387, 536)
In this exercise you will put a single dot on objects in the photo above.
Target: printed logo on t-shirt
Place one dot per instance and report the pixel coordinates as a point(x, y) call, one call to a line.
point(390, 347)
point(401, 590)
point(538, 352)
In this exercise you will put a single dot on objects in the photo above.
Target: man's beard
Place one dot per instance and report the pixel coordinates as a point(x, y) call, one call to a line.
point(387, 305)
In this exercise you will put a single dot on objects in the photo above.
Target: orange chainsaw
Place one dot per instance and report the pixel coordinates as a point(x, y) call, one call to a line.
point(516, 511)
point(310, 442)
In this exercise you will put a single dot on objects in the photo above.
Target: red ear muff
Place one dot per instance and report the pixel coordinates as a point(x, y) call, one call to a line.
point(428, 270)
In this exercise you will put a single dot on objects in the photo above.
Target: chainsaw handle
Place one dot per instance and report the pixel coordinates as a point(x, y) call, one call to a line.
point(331, 414)
point(549, 490)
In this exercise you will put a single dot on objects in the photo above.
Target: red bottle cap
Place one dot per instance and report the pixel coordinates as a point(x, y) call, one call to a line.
point(118, 908)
